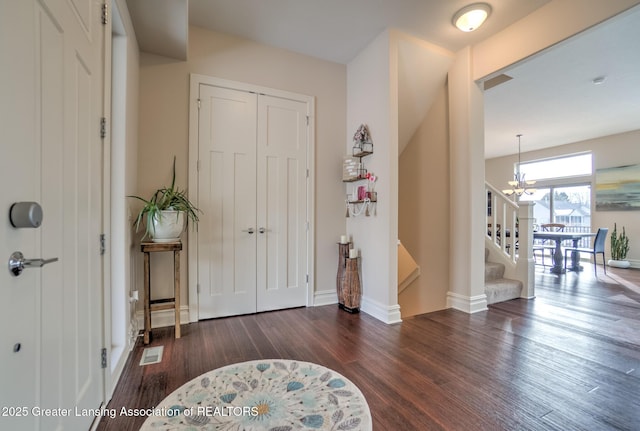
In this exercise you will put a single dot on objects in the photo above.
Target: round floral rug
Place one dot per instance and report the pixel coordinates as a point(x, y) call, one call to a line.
point(265, 395)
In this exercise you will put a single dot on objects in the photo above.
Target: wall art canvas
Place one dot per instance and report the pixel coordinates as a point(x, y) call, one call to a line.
point(618, 189)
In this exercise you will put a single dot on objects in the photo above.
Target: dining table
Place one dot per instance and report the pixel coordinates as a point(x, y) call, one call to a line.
point(559, 238)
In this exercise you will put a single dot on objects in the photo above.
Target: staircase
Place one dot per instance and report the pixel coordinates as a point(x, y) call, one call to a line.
point(496, 287)
point(408, 269)
point(510, 273)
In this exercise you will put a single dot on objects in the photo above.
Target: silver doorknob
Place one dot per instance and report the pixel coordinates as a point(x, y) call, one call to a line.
point(249, 231)
point(17, 263)
point(263, 230)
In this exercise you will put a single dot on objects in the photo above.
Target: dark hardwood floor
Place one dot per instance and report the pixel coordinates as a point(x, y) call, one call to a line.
point(567, 360)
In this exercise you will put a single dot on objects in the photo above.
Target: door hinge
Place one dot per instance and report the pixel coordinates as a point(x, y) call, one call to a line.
point(103, 244)
point(105, 14)
point(307, 120)
point(103, 357)
point(198, 287)
point(307, 226)
point(103, 127)
point(307, 278)
point(307, 173)
point(198, 166)
point(199, 103)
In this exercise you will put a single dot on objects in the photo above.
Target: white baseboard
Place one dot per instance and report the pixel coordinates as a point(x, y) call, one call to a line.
point(388, 314)
point(325, 297)
point(468, 304)
point(162, 318)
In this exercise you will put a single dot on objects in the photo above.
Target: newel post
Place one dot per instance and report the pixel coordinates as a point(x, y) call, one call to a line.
point(526, 263)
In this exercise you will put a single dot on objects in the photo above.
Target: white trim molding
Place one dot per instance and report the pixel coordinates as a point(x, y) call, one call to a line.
point(388, 314)
point(162, 318)
point(468, 304)
point(325, 297)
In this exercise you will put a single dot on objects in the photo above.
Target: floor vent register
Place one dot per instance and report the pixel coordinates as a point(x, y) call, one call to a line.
point(152, 355)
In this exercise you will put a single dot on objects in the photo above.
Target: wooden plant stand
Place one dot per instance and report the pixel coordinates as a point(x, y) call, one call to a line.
point(166, 303)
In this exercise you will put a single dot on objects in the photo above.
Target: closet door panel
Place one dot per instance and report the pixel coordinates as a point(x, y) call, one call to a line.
point(227, 198)
point(282, 216)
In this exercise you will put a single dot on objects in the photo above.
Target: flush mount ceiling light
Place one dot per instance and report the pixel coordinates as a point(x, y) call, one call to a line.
point(471, 17)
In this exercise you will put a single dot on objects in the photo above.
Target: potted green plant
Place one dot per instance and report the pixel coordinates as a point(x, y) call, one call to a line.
point(619, 249)
point(166, 212)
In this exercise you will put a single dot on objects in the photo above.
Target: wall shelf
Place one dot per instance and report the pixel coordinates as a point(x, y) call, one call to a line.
point(363, 154)
point(373, 201)
point(353, 170)
point(353, 180)
point(362, 172)
point(362, 206)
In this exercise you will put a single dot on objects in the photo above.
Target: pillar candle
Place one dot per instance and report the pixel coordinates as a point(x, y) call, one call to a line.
point(353, 253)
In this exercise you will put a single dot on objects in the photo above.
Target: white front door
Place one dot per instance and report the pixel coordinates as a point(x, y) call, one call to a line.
point(252, 190)
point(51, 328)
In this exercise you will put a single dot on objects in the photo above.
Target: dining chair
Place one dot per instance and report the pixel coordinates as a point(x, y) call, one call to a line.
point(545, 244)
point(598, 248)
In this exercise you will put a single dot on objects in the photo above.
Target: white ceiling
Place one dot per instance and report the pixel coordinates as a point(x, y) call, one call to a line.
point(550, 99)
point(337, 30)
point(161, 26)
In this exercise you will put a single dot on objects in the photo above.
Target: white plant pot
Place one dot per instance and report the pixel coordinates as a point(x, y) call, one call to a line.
point(619, 263)
point(168, 226)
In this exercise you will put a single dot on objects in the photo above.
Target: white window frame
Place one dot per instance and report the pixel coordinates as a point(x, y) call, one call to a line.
point(568, 179)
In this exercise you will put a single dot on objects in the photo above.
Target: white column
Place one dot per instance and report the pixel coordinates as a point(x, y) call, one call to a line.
point(468, 201)
point(525, 267)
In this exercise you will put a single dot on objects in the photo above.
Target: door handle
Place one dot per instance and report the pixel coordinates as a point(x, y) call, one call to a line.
point(17, 263)
point(263, 230)
point(249, 231)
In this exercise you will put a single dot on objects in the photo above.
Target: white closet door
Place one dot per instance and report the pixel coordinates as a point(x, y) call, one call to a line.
point(227, 198)
point(282, 209)
point(252, 190)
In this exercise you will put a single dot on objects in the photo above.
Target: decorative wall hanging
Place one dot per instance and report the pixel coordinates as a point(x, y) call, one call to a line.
point(362, 144)
point(618, 189)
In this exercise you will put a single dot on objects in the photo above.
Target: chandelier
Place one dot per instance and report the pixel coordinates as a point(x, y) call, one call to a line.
point(519, 185)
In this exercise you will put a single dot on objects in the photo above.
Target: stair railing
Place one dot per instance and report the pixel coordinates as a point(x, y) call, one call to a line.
point(504, 217)
point(502, 222)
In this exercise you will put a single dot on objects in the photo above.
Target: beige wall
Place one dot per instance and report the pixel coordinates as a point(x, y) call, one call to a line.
point(608, 151)
point(164, 113)
point(424, 210)
point(372, 100)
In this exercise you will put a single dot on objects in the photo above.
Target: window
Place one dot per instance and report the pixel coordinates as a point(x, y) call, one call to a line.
point(561, 167)
point(559, 202)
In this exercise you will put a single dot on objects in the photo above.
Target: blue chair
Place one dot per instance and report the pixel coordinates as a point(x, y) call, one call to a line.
point(598, 248)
